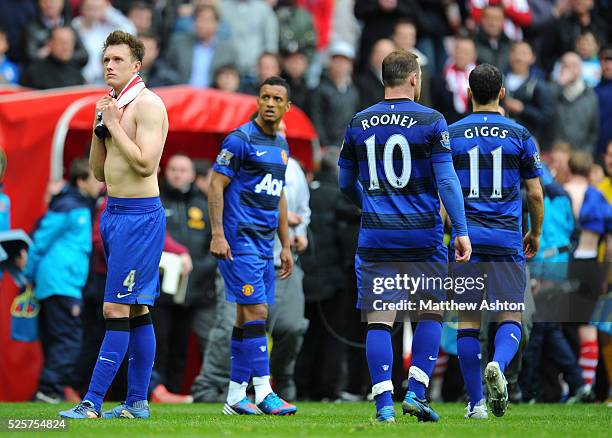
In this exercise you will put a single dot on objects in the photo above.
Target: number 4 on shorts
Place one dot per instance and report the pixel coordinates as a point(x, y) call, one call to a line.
point(130, 280)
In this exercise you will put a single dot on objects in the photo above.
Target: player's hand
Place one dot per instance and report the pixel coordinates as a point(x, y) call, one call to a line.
point(111, 113)
point(22, 260)
point(514, 105)
point(300, 243)
point(220, 248)
point(186, 264)
point(293, 219)
point(463, 249)
point(531, 245)
point(286, 263)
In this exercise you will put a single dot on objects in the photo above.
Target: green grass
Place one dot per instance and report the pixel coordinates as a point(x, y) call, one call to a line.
point(332, 420)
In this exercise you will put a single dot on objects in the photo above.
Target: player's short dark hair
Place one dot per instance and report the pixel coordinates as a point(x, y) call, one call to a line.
point(397, 66)
point(204, 8)
point(485, 82)
point(580, 163)
point(79, 170)
point(119, 37)
point(277, 80)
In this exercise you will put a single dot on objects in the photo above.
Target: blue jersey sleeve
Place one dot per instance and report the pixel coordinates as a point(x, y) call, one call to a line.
point(348, 156)
point(531, 166)
point(440, 142)
point(233, 151)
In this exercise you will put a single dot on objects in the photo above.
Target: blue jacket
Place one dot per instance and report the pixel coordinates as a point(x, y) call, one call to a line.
point(58, 260)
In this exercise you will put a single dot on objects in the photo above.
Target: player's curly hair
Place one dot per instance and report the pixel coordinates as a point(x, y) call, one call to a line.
point(119, 37)
point(485, 82)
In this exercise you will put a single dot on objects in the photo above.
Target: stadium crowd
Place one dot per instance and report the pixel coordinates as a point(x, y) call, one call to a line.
point(557, 60)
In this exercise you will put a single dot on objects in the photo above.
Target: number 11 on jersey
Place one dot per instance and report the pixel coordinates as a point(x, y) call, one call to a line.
point(475, 174)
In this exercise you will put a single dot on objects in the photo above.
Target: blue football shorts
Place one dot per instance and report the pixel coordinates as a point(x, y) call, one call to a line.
point(249, 279)
point(133, 231)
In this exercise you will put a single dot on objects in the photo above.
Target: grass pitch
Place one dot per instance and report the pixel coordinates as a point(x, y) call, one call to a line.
point(344, 420)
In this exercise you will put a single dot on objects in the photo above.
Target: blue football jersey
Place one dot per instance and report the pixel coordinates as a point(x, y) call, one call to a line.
point(392, 146)
point(491, 154)
point(256, 163)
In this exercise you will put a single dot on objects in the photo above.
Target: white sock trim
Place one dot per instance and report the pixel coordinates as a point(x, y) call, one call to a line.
point(236, 392)
point(380, 387)
point(419, 375)
point(262, 388)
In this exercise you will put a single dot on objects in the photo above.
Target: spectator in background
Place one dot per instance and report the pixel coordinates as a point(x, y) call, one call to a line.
point(203, 171)
point(579, 19)
point(558, 162)
point(227, 78)
point(197, 56)
point(254, 30)
point(492, 44)
point(378, 17)
point(336, 99)
point(588, 49)
point(58, 69)
point(57, 267)
point(155, 71)
point(369, 82)
point(9, 72)
point(98, 19)
point(604, 98)
point(296, 28)
point(51, 14)
point(528, 99)
point(286, 321)
point(322, 12)
point(437, 19)
point(405, 37)
point(517, 13)
point(577, 118)
point(320, 361)
point(268, 65)
point(188, 222)
point(295, 66)
point(14, 16)
point(140, 14)
point(449, 91)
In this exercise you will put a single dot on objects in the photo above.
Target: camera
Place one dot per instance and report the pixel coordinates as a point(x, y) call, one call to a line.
point(101, 130)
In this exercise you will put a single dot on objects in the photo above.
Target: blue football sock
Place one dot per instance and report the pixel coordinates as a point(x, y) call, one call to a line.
point(255, 348)
point(240, 371)
point(140, 358)
point(425, 347)
point(468, 350)
point(112, 352)
point(507, 342)
point(379, 353)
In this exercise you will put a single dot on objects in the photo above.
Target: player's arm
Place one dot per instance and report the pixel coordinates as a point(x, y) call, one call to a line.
point(97, 152)
point(219, 247)
point(535, 202)
point(283, 236)
point(141, 155)
point(348, 172)
point(531, 170)
point(449, 189)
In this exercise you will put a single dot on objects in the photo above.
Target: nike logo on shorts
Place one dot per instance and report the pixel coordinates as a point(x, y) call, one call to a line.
point(106, 360)
point(513, 336)
point(432, 358)
point(260, 153)
point(123, 295)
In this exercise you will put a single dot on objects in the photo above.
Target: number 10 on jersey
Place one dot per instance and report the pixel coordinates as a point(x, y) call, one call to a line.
point(395, 181)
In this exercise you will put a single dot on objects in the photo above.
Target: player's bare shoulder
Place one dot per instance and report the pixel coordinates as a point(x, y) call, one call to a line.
point(150, 104)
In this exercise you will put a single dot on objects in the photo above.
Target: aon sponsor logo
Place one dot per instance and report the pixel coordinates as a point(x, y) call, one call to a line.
point(269, 186)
